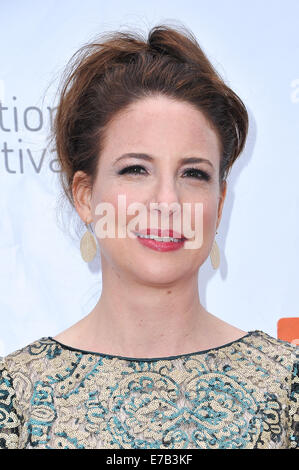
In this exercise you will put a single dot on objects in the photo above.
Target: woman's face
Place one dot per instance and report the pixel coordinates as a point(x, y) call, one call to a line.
point(167, 131)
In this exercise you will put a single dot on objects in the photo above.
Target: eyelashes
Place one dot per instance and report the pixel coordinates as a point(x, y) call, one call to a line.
point(193, 172)
point(199, 174)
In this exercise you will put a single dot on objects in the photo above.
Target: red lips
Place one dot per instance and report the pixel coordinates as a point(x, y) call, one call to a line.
point(157, 232)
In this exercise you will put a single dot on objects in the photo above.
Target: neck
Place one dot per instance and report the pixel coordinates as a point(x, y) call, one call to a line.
point(141, 320)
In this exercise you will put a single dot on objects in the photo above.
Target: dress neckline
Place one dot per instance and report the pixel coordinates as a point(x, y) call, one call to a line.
point(166, 358)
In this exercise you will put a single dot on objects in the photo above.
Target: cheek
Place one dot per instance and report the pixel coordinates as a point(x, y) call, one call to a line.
point(208, 212)
point(118, 199)
point(203, 229)
point(109, 190)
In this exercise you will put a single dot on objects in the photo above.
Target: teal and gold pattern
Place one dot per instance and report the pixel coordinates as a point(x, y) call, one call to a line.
point(242, 395)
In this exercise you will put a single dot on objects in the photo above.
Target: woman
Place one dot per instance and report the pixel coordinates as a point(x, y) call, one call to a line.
point(149, 366)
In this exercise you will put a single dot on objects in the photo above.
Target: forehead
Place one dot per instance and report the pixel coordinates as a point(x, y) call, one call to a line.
point(162, 124)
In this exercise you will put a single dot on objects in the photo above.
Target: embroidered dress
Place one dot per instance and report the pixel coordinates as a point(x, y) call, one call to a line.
point(241, 395)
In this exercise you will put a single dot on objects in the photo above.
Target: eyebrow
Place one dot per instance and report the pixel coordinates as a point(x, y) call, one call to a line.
point(144, 156)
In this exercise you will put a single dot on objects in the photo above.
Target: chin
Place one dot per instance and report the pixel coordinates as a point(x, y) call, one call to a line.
point(157, 280)
point(153, 267)
point(158, 272)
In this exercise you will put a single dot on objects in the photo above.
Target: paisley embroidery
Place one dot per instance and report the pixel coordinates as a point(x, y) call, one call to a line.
point(241, 395)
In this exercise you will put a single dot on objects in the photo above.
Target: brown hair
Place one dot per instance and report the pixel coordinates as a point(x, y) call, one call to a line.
point(117, 69)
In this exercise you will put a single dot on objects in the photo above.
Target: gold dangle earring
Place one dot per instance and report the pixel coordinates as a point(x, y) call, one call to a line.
point(215, 255)
point(88, 246)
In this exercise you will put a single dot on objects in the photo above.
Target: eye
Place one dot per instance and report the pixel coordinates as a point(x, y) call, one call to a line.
point(132, 170)
point(198, 174)
point(193, 172)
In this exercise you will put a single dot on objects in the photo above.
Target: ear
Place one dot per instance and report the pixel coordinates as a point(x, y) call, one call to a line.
point(221, 201)
point(81, 190)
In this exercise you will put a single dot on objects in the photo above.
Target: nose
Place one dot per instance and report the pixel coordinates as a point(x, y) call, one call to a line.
point(165, 195)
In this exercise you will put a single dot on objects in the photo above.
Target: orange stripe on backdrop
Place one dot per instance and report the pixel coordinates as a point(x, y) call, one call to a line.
point(288, 329)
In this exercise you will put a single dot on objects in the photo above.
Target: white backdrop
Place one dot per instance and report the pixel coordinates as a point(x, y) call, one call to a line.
point(45, 286)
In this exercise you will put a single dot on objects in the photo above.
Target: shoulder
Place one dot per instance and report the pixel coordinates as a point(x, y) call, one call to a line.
point(269, 370)
point(10, 414)
point(271, 363)
point(15, 390)
point(280, 354)
point(30, 357)
point(28, 364)
point(281, 358)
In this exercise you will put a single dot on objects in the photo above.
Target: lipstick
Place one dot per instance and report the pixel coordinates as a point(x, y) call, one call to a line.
point(160, 245)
